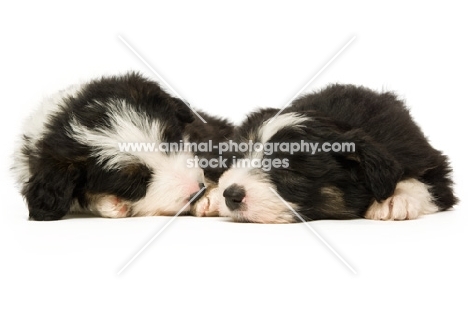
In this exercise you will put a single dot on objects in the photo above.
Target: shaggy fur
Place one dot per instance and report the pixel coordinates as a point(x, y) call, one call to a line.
point(394, 172)
point(69, 160)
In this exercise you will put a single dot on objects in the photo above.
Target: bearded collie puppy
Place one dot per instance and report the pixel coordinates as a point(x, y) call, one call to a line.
point(70, 157)
point(344, 152)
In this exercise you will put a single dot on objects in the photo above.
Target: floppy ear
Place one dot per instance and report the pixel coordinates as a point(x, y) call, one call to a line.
point(182, 110)
point(381, 171)
point(128, 181)
point(49, 192)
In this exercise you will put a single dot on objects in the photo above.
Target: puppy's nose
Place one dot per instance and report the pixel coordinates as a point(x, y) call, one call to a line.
point(200, 194)
point(234, 195)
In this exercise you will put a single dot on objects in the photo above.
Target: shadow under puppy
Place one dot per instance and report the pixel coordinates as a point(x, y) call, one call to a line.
point(393, 173)
point(70, 157)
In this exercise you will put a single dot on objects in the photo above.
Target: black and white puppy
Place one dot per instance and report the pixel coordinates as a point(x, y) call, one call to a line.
point(70, 157)
point(393, 173)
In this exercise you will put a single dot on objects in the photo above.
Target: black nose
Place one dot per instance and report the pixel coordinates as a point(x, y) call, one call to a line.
point(233, 196)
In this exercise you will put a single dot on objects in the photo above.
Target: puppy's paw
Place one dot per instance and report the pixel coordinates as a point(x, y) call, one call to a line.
point(208, 205)
point(111, 206)
point(397, 207)
point(410, 200)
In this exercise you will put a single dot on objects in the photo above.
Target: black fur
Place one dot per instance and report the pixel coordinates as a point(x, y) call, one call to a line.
point(63, 170)
point(390, 147)
point(217, 130)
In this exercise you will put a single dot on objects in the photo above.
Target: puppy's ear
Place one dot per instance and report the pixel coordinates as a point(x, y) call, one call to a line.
point(49, 192)
point(382, 172)
point(129, 180)
point(182, 110)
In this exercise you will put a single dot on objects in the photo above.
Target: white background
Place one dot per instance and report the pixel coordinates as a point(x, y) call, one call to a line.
point(228, 59)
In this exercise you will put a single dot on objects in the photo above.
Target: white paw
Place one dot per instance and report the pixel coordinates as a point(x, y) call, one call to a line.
point(111, 206)
point(397, 207)
point(410, 200)
point(208, 205)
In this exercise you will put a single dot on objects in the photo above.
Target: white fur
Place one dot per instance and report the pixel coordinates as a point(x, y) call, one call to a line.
point(126, 125)
point(109, 206)
point(410, 200)
point(103, 205)
point(268, 130)
point(260, 204)
point(34, 129)
point(169, 191)
point(173, 183)
point(208, 204)
point(34, 126)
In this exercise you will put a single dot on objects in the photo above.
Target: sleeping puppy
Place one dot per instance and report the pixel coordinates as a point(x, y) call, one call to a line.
point(75, 153)
point(344, 152)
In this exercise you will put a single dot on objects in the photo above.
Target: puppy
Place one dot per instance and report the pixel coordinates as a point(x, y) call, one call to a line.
point(74, 154)
point(370, 161)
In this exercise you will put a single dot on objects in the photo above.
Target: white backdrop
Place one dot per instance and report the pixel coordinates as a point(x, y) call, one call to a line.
point(228, 59)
